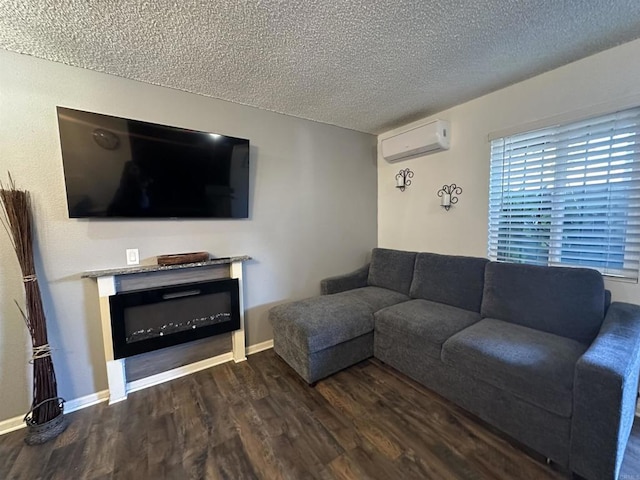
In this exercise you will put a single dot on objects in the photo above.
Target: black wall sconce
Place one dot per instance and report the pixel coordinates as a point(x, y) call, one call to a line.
point(402, 179)
point(448, 195)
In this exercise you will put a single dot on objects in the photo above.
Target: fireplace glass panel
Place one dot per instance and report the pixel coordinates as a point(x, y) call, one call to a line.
point(143, 322)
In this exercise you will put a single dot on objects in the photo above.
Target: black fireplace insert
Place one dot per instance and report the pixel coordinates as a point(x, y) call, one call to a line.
point(147, 320)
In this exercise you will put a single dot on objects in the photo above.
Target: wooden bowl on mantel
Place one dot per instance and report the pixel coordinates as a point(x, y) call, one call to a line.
point(182, 258)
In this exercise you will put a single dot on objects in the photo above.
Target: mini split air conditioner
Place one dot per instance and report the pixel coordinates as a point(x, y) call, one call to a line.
point(429, 138)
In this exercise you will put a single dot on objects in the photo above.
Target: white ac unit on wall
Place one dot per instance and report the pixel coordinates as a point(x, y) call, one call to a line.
point(429, 138)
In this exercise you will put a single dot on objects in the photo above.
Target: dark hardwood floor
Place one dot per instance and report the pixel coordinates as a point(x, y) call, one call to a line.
point(257, 419)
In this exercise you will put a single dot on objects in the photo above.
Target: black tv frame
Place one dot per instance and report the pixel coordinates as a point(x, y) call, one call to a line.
point(219, 205)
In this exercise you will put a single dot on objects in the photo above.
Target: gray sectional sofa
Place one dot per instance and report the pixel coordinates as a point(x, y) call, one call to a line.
point(538, 352)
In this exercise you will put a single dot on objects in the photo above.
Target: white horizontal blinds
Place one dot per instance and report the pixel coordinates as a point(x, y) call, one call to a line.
point(569, 195)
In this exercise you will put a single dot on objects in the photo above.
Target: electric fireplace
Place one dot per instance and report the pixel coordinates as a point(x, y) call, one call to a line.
point(150, 319)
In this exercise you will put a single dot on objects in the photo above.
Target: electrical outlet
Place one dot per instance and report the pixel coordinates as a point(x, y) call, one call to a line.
point(133, 257)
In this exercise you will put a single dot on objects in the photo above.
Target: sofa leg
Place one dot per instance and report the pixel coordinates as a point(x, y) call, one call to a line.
point(313, 384)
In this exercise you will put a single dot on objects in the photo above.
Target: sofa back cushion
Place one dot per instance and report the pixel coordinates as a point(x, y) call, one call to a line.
point(392, 269)
point(453, 280)
point(564, 301)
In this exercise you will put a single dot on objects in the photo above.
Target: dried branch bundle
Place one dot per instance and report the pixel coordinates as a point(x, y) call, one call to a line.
point(17, 221)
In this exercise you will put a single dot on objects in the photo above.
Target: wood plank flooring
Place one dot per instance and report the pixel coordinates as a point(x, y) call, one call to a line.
point(258, 420)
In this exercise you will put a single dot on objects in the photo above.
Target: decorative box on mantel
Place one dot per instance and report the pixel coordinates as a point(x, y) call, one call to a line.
point(151, 307)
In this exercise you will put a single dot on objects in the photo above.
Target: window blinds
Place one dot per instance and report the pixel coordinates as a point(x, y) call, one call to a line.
point(569, 195)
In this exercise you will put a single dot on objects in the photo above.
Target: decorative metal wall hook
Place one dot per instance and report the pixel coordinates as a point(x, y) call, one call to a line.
point(448, 195)
point(402, 179)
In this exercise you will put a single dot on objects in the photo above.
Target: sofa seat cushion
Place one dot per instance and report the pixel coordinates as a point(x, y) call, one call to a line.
point(423, 324)
point(535, 366)
point(321, 322)
point(375, 297)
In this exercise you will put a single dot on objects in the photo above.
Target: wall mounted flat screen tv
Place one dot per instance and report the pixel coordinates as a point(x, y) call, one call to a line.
point(115, 167)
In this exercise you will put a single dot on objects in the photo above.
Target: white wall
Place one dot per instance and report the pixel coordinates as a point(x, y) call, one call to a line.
point(313, 212)
point(413, 219)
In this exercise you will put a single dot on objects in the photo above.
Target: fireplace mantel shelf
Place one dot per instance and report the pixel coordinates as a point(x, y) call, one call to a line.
point(161, 268)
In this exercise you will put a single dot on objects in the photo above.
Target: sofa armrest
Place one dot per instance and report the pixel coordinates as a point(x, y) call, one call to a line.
point(604, 395)
point(356, 279)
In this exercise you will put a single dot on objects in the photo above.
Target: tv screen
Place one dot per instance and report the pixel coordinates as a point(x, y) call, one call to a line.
point(116, 167)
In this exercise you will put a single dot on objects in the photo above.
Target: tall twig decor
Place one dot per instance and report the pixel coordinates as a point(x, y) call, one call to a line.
point(17, 221)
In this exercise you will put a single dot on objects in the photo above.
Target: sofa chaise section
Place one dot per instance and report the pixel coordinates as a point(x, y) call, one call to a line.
point(321, 335)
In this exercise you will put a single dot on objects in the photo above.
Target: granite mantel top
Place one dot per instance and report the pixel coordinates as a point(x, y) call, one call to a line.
point(161, 268)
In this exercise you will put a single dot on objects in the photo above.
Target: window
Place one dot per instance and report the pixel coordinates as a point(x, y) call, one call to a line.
point(569, 195)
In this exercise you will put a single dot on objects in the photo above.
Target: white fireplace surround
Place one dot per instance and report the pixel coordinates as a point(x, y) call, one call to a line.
point(113, 281)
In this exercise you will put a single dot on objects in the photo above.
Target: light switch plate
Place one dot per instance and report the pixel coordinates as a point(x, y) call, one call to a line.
point(133, 257)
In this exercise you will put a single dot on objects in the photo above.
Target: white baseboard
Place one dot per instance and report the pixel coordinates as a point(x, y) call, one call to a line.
point(259, 347)
point(86, 401)
point(11, 424)
point(16, 423)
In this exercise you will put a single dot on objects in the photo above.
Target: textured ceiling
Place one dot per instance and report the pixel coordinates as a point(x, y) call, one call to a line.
point(364, 65)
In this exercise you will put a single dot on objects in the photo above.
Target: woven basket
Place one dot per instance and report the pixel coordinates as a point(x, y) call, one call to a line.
point(41, 433)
